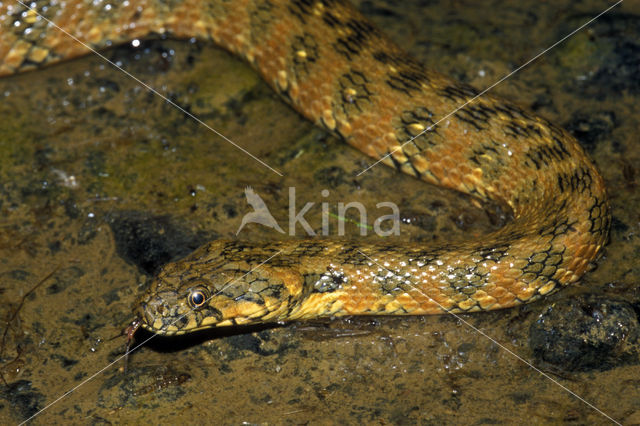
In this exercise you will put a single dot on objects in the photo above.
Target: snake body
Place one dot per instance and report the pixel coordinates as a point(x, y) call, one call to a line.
point(339, 71)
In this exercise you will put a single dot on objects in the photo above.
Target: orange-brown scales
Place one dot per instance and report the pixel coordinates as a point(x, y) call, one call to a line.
point(339, 71)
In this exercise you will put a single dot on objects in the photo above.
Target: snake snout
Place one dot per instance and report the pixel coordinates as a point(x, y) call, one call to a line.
point(158, 306)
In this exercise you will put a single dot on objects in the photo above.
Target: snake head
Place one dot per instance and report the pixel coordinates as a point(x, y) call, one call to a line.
point(212, 289)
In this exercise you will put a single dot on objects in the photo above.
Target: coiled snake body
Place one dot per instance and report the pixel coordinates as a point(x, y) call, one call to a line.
point(339, 71)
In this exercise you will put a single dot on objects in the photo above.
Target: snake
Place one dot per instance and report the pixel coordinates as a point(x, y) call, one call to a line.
point(338, 70)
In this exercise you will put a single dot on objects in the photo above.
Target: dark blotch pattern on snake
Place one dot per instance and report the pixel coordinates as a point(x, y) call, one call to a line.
point(339, 71)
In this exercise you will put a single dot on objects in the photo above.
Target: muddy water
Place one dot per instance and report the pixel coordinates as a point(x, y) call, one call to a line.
point(101, 182)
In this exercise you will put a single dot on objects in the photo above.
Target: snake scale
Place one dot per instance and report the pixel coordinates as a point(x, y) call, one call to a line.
point(339, 71)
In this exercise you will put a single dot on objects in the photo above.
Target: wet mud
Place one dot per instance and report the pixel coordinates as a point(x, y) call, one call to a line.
point(101, 183)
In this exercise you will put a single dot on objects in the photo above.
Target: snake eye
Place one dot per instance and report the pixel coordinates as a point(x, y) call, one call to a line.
point(197, 297)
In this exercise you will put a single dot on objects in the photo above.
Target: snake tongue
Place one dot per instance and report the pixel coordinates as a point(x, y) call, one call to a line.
point(131, 331)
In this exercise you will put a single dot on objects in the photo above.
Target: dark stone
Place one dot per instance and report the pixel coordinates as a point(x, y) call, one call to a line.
point(618, 225)
point(424, 221)
point(586, 333)
point(263, 343)
point(149, 241)
point(331, 176)
point(22, 397)
point(616, 55)
point(65, 362)
point(230, 210)
point(620, 74)
point(591, 129)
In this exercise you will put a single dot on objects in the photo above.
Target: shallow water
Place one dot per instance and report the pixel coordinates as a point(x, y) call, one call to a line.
point(100, 182)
